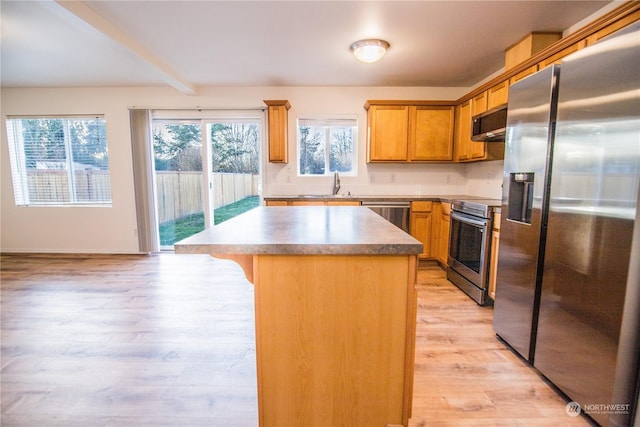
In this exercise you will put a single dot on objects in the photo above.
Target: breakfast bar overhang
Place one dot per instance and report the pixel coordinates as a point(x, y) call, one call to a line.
point(335, 306)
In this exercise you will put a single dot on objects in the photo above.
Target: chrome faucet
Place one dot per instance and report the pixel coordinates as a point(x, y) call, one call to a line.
point(336, 183)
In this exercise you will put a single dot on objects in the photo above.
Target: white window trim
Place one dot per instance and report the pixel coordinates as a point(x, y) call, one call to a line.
point(17, 160)
point(328, 121)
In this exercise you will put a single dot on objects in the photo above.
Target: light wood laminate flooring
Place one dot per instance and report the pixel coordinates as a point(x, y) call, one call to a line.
point(168, 340)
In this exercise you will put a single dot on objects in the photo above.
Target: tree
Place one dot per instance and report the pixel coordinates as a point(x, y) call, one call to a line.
point(45, 142)
point(235, 147)
point(88, 143)
point(312, 150)
point(177, 147)
point(340, 158)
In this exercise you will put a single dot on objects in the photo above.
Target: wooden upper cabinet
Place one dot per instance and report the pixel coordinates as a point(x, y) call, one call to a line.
point(527, 47)
point(467, 150)
point(431, 133)
point(278, 123)
point(479, 104)
point(418, 132)
point(477, 150)
point(613, 27)
point(524, 73)
point(463, 131)
point(558, 56)
point(498, 95)
point(388, 133)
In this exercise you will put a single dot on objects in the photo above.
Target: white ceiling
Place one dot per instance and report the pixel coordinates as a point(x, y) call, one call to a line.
point(187, 44)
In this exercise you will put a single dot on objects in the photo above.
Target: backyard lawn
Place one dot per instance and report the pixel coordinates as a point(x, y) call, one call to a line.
point(174, 231)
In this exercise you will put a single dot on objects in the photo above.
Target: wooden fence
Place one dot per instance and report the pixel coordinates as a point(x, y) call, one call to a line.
point(179, 194)
point(52, 186)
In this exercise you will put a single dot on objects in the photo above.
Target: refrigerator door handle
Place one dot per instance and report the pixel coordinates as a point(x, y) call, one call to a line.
point(527, 201)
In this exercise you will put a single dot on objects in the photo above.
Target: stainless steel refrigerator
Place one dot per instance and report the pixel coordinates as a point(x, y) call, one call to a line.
point(568, 286)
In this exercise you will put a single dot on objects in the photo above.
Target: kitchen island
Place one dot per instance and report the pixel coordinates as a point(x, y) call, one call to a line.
point(335, 311)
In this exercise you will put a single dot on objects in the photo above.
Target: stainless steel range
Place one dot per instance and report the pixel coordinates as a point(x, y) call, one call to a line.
point(469, 247)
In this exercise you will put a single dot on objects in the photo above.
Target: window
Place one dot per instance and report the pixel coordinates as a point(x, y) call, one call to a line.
point(326, 146)
point(59, 161)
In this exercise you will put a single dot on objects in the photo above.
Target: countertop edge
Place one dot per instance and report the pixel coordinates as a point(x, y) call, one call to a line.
point(301, 249)
point(399, 198)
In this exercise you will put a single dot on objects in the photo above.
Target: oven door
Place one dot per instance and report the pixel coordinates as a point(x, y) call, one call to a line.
point(469, 246)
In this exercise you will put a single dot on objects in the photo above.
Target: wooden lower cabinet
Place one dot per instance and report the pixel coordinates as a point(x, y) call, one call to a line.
point(335, 339)
point(495, 244)
point(308, 203)
point(343, 203)
point(441, 223)
point(277, 203)
point(420, 226)
point(444, 225)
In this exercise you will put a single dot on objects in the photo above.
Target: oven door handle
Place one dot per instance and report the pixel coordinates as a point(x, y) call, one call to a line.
point(480, 222)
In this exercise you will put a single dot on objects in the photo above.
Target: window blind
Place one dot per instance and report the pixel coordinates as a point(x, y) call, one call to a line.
point(59, 160)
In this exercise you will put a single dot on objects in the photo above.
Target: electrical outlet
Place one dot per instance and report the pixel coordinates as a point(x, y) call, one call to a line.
point(448, 179)
point(393, 178)
point(372, 178)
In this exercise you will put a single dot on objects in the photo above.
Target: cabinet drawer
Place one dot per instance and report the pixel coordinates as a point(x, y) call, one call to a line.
point(421, 206)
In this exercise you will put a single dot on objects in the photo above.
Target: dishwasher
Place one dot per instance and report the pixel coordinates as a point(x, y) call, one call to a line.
point(395, 212)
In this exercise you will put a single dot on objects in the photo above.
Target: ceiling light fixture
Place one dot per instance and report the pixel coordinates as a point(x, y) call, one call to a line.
point(369, 50)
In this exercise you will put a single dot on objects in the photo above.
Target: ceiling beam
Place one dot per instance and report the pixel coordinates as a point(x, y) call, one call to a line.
point(100, 24)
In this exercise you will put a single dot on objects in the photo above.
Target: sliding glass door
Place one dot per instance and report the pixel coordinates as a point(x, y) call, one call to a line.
point(235, 166)
point(178, 179)
point(202, 181)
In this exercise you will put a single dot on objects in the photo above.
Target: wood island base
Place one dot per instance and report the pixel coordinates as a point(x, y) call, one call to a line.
point(335, 337)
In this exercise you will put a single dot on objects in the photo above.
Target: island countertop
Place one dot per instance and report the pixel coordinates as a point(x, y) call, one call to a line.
point(303, 230)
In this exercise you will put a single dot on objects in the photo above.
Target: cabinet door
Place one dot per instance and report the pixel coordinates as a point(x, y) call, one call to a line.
point(479, 104)
point(477, 150)
point(388, 133)
point(308, 203)
point(611, 28)
point(557, 57)
point(445, 225)
point(495, 244)
point(498, 95)
point(522, 74)
point(431, 133)
point(421, 230)
point(463, 131)
point(278, 122)
point(343, 203)
point(278, 203)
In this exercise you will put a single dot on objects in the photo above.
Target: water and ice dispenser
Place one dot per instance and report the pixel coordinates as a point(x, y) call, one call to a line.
point(520, 197)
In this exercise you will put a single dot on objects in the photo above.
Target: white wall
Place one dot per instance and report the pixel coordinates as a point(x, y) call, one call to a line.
point(484, 179)
point(113, 230)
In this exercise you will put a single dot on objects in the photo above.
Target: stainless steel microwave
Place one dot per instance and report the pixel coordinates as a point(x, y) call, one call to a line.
point(490, 126)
